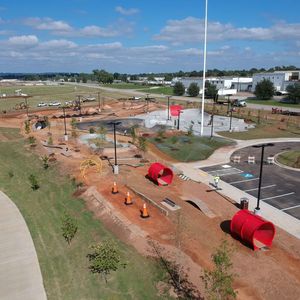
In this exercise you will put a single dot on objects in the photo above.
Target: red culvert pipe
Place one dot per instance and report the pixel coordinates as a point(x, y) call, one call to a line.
point(160, 174)
point(252, 229)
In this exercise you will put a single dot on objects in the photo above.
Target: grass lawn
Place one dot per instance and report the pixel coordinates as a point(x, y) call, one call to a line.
point(165, 90)
point(124, 86)
point(59, 93)
point(290, 158)
point(263, 131)
point(274, 103)
point(189, 148)
point(65, 268)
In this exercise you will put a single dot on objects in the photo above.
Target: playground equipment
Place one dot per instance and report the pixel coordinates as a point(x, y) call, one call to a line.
point(252, 229)
point(128, 200)
point(175, 109)
point(144, 212)
point(160, 174)
point(114, 189)
point(93, 161)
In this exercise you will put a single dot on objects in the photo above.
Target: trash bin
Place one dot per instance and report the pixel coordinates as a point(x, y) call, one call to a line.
point(244, 203)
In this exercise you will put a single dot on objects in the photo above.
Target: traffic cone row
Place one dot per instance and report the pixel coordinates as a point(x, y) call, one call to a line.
point(128, 201)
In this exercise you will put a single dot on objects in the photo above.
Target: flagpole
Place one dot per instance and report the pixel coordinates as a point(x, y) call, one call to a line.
point(204, 69)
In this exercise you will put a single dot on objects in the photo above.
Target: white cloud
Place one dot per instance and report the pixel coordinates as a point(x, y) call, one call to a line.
point(23, 40)
point(191, 30)
point(97, 31)
point(48, 24)
point(126, 12)
point(56, 44)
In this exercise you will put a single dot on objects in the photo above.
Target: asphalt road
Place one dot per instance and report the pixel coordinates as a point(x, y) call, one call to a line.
point(280, 186)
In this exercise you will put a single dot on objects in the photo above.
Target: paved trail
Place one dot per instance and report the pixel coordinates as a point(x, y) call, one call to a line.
point(20, 274)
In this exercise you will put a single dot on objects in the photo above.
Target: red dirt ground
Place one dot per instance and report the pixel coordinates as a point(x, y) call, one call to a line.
point(272, 274)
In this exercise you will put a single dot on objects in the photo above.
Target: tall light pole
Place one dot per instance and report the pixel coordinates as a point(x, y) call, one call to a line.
point(262, 146)
point(204, 69)
point(169, 107)
point(65, 125)
point(230, 122)
point(115, 167)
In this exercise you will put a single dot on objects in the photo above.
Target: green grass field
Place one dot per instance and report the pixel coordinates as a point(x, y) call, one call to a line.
point(39, 94)
point(124, 86)
point(274, 103)
point(65, 268)
point(189, 148)
point(166, 90)
point(290, 158)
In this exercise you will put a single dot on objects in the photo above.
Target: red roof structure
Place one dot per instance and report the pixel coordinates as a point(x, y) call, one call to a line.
point(160, 174)
point(252, 229)
point(174, 109)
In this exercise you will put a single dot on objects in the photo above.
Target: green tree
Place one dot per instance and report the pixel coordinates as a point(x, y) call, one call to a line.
point(294, 92)
point(193, 89)
point(69, 228)
point(33, 182)
point(103, 77)
point(45, 160)
point(210, 90)
point(218, 282)
point(264, 90)
point(27, 126)
point(142, 143)
point(178, 89)
point(133, 133)
point(31, 140)
point(104, 258)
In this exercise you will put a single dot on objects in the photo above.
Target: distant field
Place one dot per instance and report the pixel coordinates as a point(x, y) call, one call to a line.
point(129, 86)
point(65, 268)
point(47, 94)
point(274, 103)
point(166, 90)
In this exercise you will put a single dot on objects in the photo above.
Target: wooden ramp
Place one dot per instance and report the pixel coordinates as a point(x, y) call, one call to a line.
point(201, 206)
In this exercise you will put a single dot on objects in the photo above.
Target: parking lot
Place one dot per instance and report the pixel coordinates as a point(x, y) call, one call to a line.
point(280, 187)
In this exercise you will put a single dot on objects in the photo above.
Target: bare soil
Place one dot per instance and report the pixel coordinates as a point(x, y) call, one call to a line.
point(187, 236)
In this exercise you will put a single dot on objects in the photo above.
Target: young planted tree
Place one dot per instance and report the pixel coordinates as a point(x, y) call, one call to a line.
point(178, 89)
point(218, 282)
point(27, 127)
point(264, 90)
point(193, 89)
point(142, 144)
point(31, 140)
point(69, 228)
point(294, 92)
point(45, 160)
point(33, 182)
point(210, 90)
point(133, 133)
point(104, 258)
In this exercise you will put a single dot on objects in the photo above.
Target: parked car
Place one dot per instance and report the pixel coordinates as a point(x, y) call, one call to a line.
point(55, 103)
point(239, 103)
point(42, 104)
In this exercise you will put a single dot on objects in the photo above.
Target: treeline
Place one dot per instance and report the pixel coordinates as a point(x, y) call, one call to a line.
point(103, 76)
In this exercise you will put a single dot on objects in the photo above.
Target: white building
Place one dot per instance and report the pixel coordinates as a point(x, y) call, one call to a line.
point(280, 79)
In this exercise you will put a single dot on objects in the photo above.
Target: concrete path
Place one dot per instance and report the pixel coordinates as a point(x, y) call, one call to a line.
point(20, 274)
point(222, 156)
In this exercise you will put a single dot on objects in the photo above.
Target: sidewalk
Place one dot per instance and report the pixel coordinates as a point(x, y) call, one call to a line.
point(222, 156)
point(20, 274)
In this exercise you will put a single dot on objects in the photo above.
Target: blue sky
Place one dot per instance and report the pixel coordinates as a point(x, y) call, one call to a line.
point(135, 36)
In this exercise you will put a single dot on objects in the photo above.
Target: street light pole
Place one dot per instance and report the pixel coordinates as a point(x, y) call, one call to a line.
point(212, 121)
point(230, 123)
point(65, 125)
point(168, 108)
point(204, 69)
point(262, 146)
point(115, 167)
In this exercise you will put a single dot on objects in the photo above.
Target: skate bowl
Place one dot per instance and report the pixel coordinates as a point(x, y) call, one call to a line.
point(252, 229)
point(160, 174)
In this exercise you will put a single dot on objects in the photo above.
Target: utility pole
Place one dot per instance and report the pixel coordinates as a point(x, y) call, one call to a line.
point(65, 125)
point(99, 99)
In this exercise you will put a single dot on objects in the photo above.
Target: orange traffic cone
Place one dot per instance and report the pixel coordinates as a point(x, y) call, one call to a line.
point(114, 188)
point(128, 200)
point(145, 212)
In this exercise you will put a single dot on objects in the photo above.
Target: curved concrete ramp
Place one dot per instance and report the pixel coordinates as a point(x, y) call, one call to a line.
point(201, 206)
point(20, 274)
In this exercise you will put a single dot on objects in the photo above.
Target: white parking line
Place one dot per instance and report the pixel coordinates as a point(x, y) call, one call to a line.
point(234, 182)
point(263, 187)
point(278, 196)
point(290, 207)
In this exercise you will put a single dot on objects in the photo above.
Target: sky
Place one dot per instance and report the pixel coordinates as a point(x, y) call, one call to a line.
point(137, 36)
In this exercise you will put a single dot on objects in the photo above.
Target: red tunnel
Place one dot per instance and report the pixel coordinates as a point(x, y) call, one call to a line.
point(160, 174)
point(252, 229)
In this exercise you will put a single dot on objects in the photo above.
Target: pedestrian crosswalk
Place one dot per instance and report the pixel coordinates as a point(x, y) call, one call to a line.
point(183, 177)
